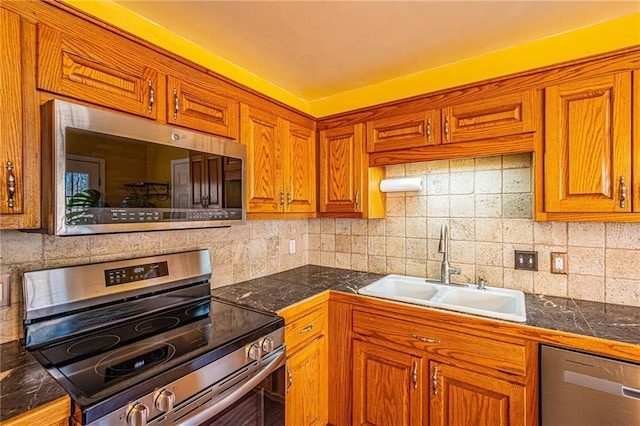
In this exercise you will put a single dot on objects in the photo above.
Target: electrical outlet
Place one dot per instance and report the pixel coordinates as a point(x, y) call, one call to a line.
point(292, 246)
point(527, 260)
point(558, 263)
point(5, 289)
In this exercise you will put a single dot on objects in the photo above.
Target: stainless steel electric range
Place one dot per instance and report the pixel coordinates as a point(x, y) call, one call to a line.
point(141, 342)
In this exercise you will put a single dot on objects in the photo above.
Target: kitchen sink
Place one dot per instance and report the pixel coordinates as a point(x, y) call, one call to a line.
point(493, 302)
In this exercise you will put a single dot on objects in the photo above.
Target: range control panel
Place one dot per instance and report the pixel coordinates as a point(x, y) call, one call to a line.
point(135, 273)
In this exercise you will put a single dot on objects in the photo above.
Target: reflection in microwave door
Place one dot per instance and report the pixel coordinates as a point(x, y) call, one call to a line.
point(79, 204)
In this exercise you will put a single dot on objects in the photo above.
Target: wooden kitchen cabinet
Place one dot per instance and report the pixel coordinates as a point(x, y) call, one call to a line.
point(206, 181)
point(197, 105)
point(404, 131)
point(464, 397)
point(307, 363)
point(281, 164)
point(19, 125)
point(348, 186)
point(588, 146)
point(104, 69)
point(388, 386)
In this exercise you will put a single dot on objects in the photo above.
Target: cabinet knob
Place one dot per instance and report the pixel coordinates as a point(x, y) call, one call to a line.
point(11, 184)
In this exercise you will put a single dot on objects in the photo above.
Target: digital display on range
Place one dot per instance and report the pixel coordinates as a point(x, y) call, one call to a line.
point(135, 273)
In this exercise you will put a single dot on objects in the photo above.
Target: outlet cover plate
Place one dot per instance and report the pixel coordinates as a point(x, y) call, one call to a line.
point(5, 292)
point(558, 263)
point(526, 260)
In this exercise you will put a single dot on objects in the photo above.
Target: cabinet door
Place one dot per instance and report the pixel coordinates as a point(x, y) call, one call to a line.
point(300, 169)
point(261, 132)
point(462, 397)
point(105, 70)
point(387, 386)
point(405, 131)
point(588, 145)
point(199, 107)
point(20, 146)
point(306, 386)
point(206, 181)
point(341, 168)
point(489, 118)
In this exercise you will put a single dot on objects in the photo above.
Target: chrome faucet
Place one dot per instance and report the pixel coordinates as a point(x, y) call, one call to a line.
point(446, 269)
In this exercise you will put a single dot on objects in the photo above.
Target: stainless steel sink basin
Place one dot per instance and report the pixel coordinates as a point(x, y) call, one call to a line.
point(491, 302)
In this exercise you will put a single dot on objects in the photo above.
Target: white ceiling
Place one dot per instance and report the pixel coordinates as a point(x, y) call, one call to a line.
point(316, 49)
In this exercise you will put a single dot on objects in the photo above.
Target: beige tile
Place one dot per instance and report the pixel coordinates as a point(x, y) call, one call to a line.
point(586, 287)
point(462, 205)
point(550, 233)
point(489, 163)
point(586, 261)
point(416, 267)
point(493, 275)
point(508, 253)
point(314, 257)
point(140, 241)
point(416, 248)
point(327, 243)
point(359, 244)
point(223, 275)
point(623, 292)
point(343, 226)
point(396, 247)
point(437, 184)
point(462, 229)
point(343, 260)
point(518, 280)
point(438, 206)
point(396, 170)
point(416, 227)
point(518, 231)
point(377, 227)
point(66, 247)
point(327, 226)
point(550, 284)
point(516, 180)
point(416, 169)
point(377, 246)
point(361, 226)
point(432, 250)
point(395, 207)
point(434, 225)
point(10, 322)
point(623, 235)
point(343, 244)
point(517, 161)
point(359, 262)
point(240, 251)
point(328, 259)
point(109, 244)
point(314, 242)
point(222, 254)
point(433, 269)
point(517, 205)
point(262, 228)
point(174, 239)
point(488, 254)
point(489, 230)
point(257, 249)
point(462, 252)
point(258, 268)
point(439, 166)
point(416, 206)
point(395, 266)
point(462, 165)
point(314, 226)
point(377, 264)
point(586, 234)
point(488, 205)
point(488, 182)
point(623, 263)
point(21, 247)
point(395, 227)
point(462, 183)
point(467, 273)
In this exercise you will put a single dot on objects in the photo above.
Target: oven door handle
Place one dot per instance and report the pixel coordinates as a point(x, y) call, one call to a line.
point(236, 394)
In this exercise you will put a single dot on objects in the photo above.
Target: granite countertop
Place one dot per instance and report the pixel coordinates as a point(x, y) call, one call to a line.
point(24, 383)
point(274, 292)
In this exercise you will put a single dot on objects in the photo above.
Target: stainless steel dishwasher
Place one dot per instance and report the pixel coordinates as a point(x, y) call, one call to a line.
point(586, 390)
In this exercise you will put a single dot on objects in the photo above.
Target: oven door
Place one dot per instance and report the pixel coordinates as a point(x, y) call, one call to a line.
point(254, 401)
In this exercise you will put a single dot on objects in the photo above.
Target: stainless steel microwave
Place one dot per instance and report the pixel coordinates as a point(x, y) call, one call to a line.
point(105, 172)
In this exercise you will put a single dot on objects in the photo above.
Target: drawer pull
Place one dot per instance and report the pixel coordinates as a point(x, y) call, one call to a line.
point(289, 379)
point(415, 374)
point(429, 130)
point(306, 329)
point(623, 192)
point(446, 127)
point(435, 381)
point(152, 97)
point(176, 104)
point(424, 339)
point(11, 185)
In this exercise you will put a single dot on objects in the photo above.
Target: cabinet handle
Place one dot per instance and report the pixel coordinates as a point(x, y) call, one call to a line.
point(429, 130)
point(357, 199)
point(281, 198)
point(176, 104)
point(205, 202)
point(289, 379)
point(306, 329)
point(289, 198)
point(424, 339)
point(446, 127)
point(11, 184)
point(435, 381)
point(152, 97)
point(623, 192)
point(415, 374)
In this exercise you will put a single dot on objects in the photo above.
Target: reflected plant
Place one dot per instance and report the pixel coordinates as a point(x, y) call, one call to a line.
point(80, 202)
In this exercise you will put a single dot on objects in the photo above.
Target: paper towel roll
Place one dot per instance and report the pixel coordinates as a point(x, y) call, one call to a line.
point(401, 184)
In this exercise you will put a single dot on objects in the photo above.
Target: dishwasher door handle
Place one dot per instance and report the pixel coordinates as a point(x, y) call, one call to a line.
point(631, 392)
point(601, 385)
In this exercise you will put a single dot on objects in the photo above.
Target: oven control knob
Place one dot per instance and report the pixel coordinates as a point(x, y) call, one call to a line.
point(267, 345)
point(255, 352)
point(164, 400)
point(137, 414)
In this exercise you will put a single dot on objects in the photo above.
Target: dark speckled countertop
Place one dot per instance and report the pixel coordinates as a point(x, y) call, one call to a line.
point(25, 385)
point(275, 292)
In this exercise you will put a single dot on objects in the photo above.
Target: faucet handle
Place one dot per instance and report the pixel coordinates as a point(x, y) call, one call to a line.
point(482, 282)
point(454, 270)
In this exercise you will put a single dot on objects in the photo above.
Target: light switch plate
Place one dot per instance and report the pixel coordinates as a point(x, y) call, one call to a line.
point(5, 291)
point(526, 260)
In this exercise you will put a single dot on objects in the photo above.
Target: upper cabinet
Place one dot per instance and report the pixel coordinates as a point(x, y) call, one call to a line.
point(348, 187)
point(490, 117)
point(589, 147)
point(20, 147)
point(106, 70)
point(281, 164)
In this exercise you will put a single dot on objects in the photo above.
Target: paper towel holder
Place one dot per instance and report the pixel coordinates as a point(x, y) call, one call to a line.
point(401, 184)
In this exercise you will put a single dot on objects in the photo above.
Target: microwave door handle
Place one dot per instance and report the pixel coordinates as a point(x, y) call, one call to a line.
point(237, 393)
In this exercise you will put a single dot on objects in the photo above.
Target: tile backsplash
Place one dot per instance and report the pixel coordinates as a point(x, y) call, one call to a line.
point(487, 203)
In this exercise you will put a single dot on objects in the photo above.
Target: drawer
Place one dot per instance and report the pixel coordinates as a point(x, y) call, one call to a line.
point(303, 330)
point(452, 345)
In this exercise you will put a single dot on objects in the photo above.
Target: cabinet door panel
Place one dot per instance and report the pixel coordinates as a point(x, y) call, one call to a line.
point(387, 386)
point(300, 169)
point(461, 397)
point(198, 107)
point(111, 73)
point(588, 145)
point(489, 118)
point(305, 404)
point(340, 169)
point(405, 131)
point(260, 133)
